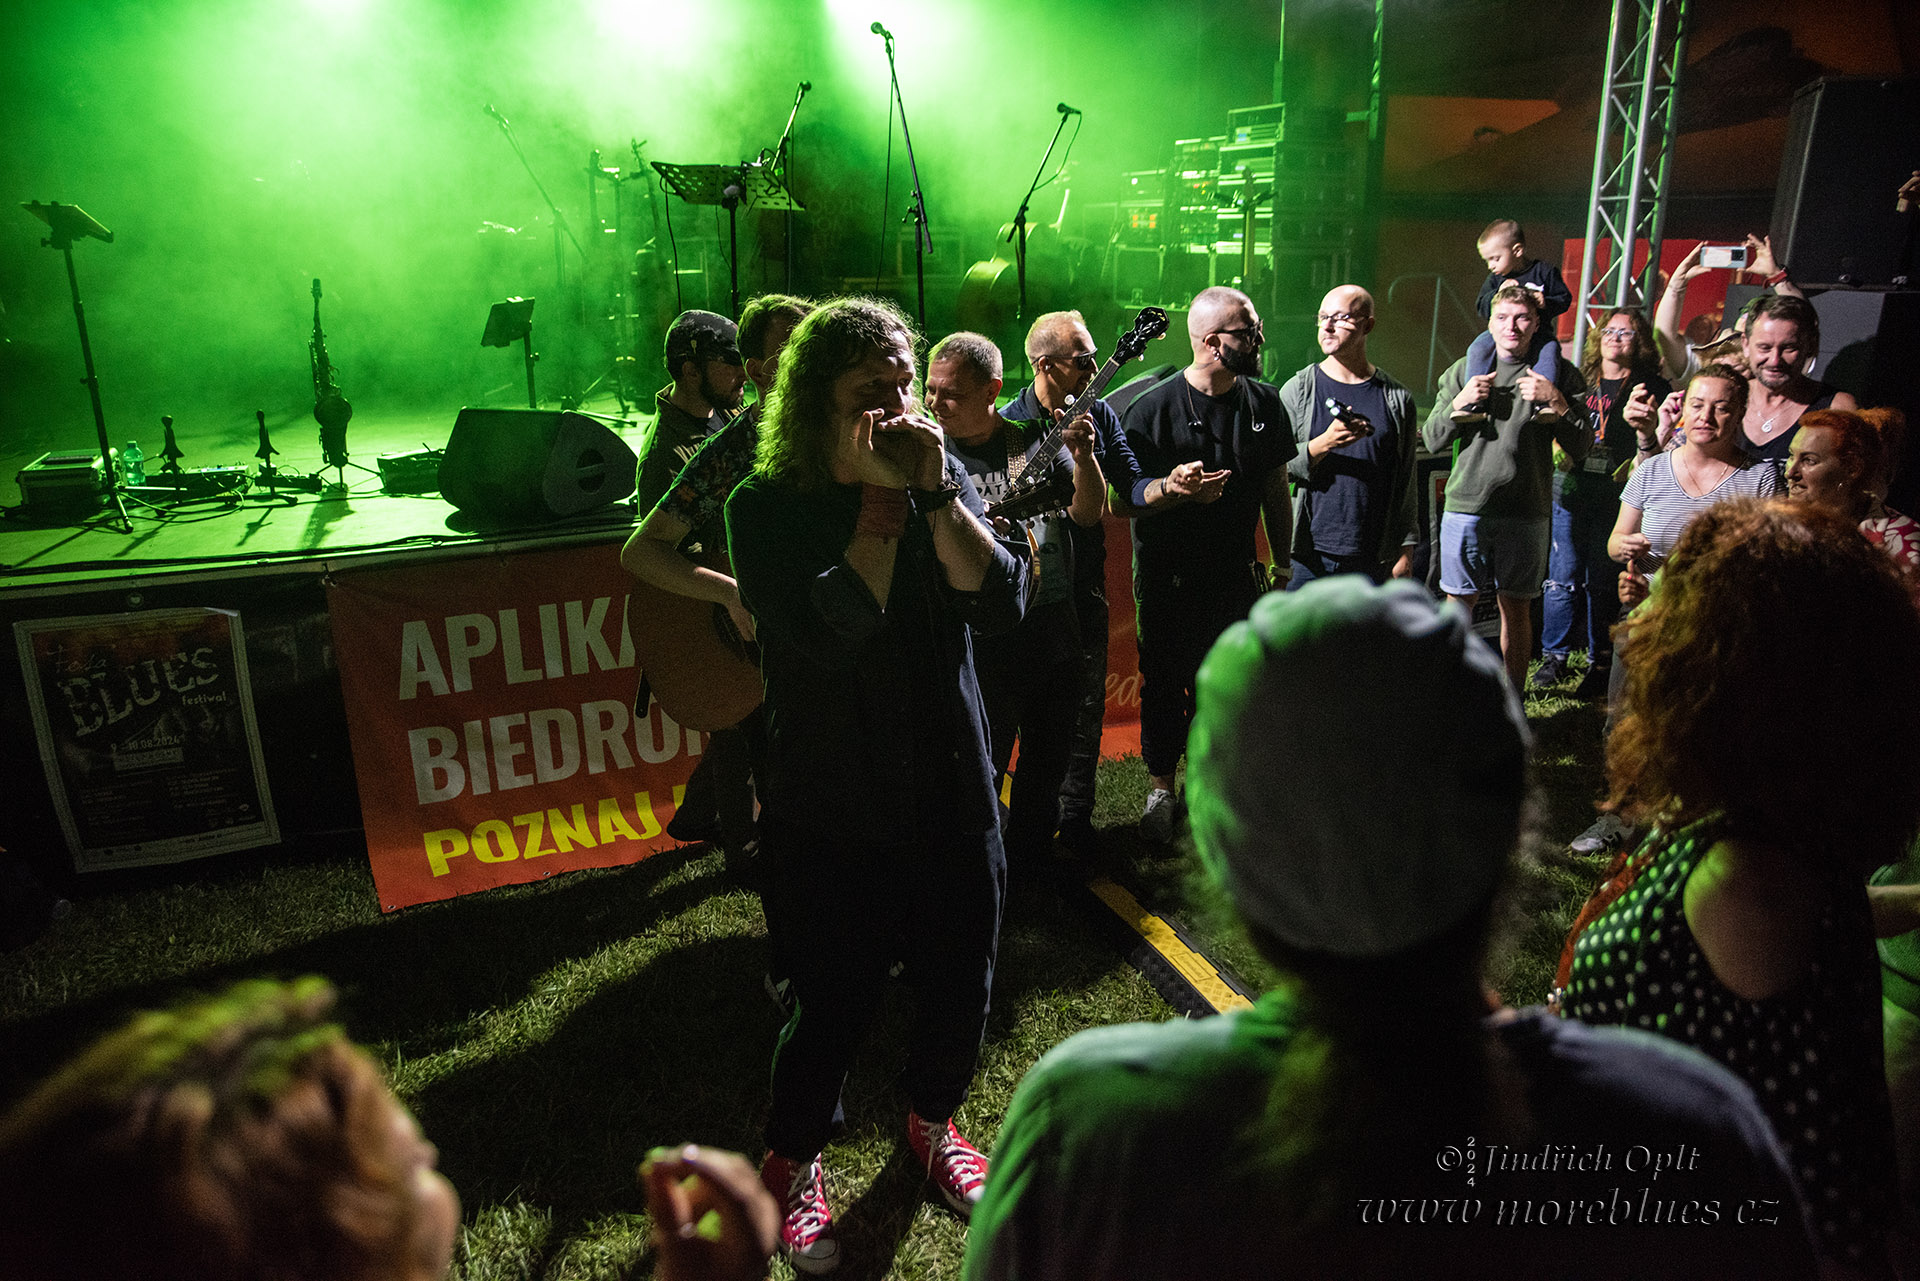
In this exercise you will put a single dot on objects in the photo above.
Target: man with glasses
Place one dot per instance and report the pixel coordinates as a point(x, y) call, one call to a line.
point(1060, 347)
point(1353, 495)
point(1194, 565)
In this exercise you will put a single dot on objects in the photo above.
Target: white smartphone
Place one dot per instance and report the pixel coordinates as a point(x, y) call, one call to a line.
point(1734, 256)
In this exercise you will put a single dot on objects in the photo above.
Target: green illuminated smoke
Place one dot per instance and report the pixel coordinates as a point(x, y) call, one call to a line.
point(238, 149)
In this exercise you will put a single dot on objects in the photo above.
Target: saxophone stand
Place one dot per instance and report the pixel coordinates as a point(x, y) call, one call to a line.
point(269, 474)
point(1018, 235)
point(562, 232)
point(922, 234)
point(69, 223)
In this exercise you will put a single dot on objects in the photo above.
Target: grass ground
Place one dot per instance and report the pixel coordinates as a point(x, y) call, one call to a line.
point(548, 1035)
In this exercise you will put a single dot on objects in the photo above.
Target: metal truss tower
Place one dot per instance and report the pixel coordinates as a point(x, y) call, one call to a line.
point(1632, 155)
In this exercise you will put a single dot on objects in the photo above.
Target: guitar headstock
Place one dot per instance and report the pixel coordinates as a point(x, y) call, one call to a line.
point(1147, 326)
point(316, 289)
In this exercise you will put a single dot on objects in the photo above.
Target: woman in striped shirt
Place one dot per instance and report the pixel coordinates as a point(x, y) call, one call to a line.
point(1669, 488)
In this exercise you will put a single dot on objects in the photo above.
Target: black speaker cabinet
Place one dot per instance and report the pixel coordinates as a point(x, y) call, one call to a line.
point(1851, 142)
point(516, 465)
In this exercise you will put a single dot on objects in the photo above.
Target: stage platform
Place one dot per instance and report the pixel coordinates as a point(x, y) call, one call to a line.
point(267, 559)
point(259, 534)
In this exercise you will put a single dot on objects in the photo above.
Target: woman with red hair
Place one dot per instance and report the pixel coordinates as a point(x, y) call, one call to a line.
point(1748, 935)
point(240, 1138)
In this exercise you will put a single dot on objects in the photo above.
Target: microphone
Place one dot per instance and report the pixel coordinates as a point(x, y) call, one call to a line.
point(806, 86)
point(1065, 110)
point(496, 115)
point(879, 30)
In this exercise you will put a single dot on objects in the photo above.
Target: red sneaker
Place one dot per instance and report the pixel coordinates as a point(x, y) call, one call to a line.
point(955, 1165)
point(806, 1220)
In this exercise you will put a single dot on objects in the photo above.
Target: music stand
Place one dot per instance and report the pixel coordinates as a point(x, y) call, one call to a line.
point(69, 223)
point(510, 322)
point(730, 186)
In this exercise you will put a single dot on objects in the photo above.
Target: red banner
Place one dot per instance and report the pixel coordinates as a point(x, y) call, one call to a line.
point(491, 710)
point(1121, 735)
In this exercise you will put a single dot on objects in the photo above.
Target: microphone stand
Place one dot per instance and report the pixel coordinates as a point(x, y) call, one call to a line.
point(1019, 235)
point(782, 158)
point(568, 400)
point(922, 234)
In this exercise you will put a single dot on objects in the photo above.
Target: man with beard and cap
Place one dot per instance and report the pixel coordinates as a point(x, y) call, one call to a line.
point(709, 377)
point(1354, 503)
point(1193, 558)
point(1783, 337)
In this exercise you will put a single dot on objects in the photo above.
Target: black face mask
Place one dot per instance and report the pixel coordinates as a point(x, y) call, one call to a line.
point(1244, 361)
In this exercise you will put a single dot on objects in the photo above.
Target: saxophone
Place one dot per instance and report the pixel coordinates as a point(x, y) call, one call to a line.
point(330, 408)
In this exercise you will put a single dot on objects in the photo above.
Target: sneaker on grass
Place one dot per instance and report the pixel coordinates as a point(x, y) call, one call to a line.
point(1608, 833)
point(1163, 811)
point(955, 1165)
point(1552, 670)
point(806, 1220)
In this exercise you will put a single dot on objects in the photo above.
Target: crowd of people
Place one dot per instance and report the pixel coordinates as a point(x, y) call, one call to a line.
point(1708, 525)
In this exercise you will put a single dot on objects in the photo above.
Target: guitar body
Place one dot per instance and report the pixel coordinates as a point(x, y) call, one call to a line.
point(691, 655)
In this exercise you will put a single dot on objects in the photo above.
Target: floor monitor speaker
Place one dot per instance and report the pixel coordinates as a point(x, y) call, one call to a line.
point(533, 464)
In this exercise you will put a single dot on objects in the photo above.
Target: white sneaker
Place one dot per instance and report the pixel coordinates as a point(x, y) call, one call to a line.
point(1162, 812)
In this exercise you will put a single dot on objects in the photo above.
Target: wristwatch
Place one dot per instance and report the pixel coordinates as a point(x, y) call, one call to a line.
point(926, 500)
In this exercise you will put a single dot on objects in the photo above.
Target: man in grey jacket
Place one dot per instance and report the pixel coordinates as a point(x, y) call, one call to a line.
point(1353, 495)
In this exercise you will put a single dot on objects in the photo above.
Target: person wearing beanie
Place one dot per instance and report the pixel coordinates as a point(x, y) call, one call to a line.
point(1369, 1116)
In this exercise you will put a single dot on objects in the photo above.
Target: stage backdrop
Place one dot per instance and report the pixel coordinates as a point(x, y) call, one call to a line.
point(491, 711)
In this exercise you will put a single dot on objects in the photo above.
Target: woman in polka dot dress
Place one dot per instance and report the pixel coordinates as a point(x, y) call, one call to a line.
point(1748, 936)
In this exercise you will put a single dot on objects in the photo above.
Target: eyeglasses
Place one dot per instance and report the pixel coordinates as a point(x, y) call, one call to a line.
point(1079, 360)
point(1616, 333)
point(1342, 318)
point(1258, 334)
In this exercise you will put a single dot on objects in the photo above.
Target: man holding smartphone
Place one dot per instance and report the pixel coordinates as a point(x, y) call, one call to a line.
point(1353, 483)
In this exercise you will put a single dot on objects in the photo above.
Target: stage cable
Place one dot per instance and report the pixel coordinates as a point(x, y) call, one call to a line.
point(673, 242)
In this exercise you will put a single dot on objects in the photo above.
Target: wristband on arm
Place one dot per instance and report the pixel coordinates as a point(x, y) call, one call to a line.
point(883, 512)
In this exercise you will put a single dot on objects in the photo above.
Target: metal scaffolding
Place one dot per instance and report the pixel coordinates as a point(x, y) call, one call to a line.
point(1632, 155)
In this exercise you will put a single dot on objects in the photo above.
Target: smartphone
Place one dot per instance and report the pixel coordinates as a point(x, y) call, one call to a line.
point(1353, 418)
point(1734, 256)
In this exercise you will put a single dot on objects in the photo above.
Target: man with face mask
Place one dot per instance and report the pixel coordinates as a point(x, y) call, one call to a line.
point(1193, 556)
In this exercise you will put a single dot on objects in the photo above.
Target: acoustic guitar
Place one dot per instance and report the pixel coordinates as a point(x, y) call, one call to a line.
point(691, 656)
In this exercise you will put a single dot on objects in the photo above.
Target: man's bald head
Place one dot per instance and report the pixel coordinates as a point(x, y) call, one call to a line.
point(1213, 309)
point(1351, 299)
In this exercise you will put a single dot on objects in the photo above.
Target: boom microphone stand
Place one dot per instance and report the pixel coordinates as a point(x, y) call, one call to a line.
point(1019, 234)
point(568, 398)
point(922, 234)
point(782, 159)
point(69, 223)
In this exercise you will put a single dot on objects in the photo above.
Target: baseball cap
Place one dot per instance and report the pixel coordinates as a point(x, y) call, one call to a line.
point(1357, 766)
point(702, 336)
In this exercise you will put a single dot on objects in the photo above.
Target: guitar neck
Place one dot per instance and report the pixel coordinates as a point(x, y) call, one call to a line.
point(1050, 443)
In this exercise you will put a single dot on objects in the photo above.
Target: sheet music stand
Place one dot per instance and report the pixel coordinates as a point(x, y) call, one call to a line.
point(510, 322)
point(69, 223)
point(752, 184)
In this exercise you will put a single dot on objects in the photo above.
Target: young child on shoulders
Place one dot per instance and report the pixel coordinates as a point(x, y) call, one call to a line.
point(1503, 247)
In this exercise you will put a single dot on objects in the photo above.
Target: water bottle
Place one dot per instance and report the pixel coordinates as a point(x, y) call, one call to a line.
point(133, 464)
